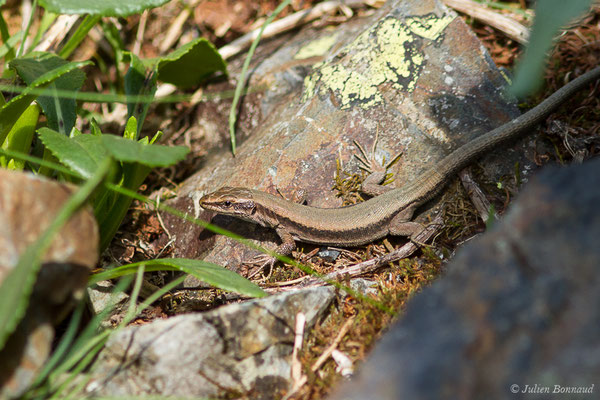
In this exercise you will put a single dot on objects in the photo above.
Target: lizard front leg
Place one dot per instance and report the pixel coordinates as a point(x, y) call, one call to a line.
point(287, 246)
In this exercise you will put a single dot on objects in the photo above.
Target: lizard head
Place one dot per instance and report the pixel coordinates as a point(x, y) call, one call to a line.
point(238, 202)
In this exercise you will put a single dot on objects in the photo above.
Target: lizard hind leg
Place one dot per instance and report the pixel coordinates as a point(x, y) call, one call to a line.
point(401, 224)
point(373, 185)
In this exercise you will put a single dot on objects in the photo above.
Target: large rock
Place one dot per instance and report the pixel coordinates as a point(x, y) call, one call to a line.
point(412, 72)
point(517, 312)
point(28, 205)
point(236, 349)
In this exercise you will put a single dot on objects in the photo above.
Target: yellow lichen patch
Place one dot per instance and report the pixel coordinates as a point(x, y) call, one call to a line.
point(317, 47)
point(396, 58)
point(387, 53)
point(429, 26)
point(309, 86)
point(350, 86)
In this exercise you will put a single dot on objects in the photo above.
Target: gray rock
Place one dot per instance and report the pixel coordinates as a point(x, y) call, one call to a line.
point(518, 309)
point(28, 204)
point(236, 349)
point(102, 295)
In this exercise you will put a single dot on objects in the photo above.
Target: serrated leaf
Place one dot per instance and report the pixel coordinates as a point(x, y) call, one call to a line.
point(81, 154)
point(154, 155)
point(60, 111)
point(210, 273)
point(190, 64)
point(106, 8)
point(10, 112)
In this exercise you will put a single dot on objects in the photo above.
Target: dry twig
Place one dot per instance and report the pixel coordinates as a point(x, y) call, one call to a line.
point(57, 32)
point(321, 360)
point(288, 23)
point(481, 203)
point(367, 266)
point(508, 26)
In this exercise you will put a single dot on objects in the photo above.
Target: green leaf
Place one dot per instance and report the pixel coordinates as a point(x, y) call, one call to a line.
point(137, 159)
point(4, 34)
point(550, 15)
point(138, 81)
point(112, 34)
point(20, 136)
point(61, 112)
point(190, 64)
point(106, 8)
point(131, 129)
point(82, 153)
point(154, 155)
point(95, 128)
point(10, 112)
point(210, 273)
point(18, 284)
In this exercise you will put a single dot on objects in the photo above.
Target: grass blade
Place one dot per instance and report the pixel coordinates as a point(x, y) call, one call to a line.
point(242, 79)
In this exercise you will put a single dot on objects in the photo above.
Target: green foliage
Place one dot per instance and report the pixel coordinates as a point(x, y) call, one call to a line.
point(20, 136)
point(110, 168)
point(139, 81)
point(53, 83)
point(207, 272)
point(136, 160)
point(7, 50)
point(11, 111)
point(82, 153)
point(129, 151)
point(105, 8)
point(60, 111)
point(550, 16)
point(74, 349)
point(190, 64)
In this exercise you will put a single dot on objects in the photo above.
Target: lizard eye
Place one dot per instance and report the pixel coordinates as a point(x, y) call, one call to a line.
point(227, 203)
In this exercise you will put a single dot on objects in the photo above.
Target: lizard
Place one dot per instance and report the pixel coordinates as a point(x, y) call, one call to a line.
point(390, 212)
